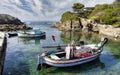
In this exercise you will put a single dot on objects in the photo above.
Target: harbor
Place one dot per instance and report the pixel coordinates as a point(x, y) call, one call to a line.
point(22, 53)
point(60, 37)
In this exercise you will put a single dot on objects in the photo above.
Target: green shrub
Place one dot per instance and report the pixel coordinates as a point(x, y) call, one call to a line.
point(107, 13)
point(102, 13)
point(117, 24)
point(68, 16)
point(77, 6)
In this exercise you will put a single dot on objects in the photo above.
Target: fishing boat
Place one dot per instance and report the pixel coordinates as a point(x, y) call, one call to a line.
point(31, 33)
point(73, 55)
point(13, 33)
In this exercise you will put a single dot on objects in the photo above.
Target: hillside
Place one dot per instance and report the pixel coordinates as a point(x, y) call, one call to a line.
point(7, 19)
point(102, 19)
point(10, 23)
point(108, 14)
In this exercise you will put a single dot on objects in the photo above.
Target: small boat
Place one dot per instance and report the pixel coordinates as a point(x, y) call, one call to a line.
point(31, 33)
point(13, 33)
point(73, 55)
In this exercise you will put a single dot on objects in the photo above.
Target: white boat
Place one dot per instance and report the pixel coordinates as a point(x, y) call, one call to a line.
point(31, 33)
point(71, 57)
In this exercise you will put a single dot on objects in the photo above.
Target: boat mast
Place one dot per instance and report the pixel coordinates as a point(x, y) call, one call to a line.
point(70, 32)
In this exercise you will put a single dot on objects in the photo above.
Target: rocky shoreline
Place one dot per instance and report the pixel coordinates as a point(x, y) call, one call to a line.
point(12, 27)
point(88, 26)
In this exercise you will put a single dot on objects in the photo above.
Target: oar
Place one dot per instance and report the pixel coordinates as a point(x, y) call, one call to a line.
point(39, 67)
point(81, 43)
point(54, 46)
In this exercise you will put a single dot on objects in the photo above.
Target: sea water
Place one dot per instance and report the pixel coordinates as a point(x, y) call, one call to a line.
point(21, 53)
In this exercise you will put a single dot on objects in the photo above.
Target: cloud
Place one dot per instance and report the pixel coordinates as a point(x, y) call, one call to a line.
point(42, 9)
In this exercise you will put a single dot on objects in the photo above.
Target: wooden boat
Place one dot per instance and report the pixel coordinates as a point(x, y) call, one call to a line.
point(31, 33)
point(82, 54)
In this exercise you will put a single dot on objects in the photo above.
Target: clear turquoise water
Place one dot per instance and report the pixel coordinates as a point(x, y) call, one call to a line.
point(21, 54)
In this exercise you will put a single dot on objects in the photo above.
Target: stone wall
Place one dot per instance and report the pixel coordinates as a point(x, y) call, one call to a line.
point(3, 42)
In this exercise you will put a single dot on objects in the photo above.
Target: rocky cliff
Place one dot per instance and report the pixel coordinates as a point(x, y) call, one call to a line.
point(88, 26)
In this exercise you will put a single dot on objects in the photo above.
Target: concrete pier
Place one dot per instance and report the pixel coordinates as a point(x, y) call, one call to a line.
point(2, 50)
point(2, 38)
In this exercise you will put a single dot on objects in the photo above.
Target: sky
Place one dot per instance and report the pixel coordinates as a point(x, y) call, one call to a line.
point(42, 10)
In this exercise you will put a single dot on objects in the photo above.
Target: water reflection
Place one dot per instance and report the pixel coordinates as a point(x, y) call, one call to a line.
point(114, 48)
point(16, 65)
point(27, 41)
point(78, 36)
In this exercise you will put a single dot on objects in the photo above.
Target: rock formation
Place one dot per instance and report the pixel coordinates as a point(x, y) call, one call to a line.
point(89, 26)
point(9, 23)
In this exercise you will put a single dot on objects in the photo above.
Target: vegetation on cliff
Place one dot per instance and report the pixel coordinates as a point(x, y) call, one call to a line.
point(77, 6)
point(68, 16)
point(108, 14)
point(78, 12)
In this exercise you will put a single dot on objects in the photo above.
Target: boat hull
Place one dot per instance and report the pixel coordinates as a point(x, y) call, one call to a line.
point(23, 35)
point(70, 63)
point(12, 34)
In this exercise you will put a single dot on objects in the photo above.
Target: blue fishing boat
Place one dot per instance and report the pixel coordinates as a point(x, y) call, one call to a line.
point(31, 33)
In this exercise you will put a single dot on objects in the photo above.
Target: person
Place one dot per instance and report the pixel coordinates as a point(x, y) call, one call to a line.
point(67, 50)
point(81, 43)
point(72, 50)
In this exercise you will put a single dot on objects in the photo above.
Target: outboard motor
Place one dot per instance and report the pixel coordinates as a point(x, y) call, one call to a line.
point(81, 42)
point(103, 41)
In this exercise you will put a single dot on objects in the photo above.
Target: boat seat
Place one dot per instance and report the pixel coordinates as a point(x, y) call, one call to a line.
point(60, 53)
point(53, 56)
